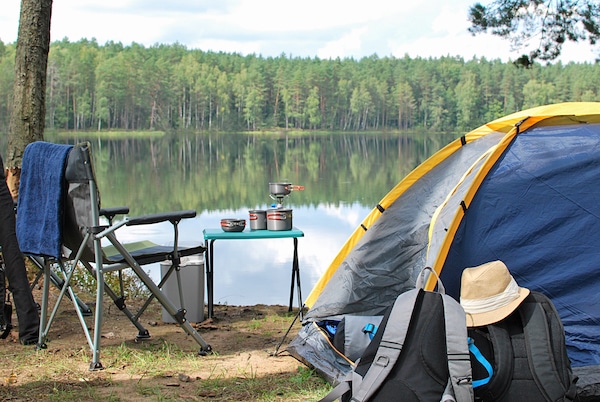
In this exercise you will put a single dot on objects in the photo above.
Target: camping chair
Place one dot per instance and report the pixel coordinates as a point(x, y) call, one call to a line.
point(58, 220)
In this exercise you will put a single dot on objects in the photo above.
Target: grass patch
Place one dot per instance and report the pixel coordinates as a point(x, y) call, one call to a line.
point(255, 324)
point(303, 385)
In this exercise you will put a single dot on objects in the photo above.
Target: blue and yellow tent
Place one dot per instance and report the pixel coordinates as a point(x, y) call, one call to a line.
point(524, 189)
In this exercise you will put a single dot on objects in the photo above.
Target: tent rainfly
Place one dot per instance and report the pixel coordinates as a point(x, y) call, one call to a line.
point(524, 189)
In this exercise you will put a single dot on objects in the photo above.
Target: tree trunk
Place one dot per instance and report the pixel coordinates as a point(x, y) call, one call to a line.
point(29, 92)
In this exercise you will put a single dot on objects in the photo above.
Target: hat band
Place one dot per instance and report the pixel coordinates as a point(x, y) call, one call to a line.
point(485, 305)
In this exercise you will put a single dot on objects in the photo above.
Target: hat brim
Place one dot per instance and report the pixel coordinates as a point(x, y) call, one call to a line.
point(490, 317)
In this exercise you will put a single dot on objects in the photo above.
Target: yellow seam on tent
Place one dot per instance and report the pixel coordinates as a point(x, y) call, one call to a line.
point(445, 246)
point(546, 111)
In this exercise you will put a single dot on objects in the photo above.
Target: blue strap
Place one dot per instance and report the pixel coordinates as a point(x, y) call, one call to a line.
point(484, 362)
point(370, 329)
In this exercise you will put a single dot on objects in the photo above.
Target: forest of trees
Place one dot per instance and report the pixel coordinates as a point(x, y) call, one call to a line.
point(169, 87)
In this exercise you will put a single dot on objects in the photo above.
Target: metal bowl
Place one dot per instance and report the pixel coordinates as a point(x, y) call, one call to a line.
point(233, 225)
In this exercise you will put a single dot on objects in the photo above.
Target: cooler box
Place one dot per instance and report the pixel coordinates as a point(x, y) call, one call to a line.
point(192, 287)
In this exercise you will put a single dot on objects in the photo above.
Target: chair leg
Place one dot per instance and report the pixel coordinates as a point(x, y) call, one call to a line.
point(47, 320)
point(120, 303)
point(160, 286)
point(44, 310)
point(95, 363)
point(165, 278)
point(58, 282)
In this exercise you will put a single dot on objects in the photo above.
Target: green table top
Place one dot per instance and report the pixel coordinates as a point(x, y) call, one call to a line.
point(215, 234)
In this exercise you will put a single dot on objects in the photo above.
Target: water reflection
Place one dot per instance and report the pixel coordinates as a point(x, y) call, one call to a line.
point(223, 176)
point(216, 172)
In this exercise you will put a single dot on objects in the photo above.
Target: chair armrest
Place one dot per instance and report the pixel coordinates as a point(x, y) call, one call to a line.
point(110, 213)
point(172, 217)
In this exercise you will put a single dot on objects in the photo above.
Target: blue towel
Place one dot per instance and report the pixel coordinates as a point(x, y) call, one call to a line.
point(41, 199)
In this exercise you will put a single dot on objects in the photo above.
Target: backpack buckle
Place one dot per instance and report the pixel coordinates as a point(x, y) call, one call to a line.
point(382, 361)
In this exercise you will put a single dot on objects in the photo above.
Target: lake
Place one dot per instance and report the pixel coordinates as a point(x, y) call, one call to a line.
point(225, 175)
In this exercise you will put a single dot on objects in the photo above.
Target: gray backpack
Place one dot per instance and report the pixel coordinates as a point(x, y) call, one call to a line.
point(419, 352)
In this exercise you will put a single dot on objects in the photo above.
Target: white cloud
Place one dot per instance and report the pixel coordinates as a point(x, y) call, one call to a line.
point(346, 46)
point(327, 29)
point(450, 21)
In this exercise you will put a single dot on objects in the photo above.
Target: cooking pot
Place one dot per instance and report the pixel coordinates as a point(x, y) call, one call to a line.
point(258, 219)
point(283, 188)
point(280, 188)
point(279, 219)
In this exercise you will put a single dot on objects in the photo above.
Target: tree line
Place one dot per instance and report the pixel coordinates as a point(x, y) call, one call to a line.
point(170, 88)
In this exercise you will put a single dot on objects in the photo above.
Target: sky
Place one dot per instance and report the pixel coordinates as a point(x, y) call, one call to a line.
point(308, 28)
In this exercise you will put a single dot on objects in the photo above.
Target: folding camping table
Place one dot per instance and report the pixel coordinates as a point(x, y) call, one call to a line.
point(212, 235)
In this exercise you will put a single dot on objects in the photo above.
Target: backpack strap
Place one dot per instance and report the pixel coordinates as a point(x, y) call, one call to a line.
point(339, 390)
point(504, 361)
point(540, 352)
point(389, 348)
point(483, 361)
point(457, 349)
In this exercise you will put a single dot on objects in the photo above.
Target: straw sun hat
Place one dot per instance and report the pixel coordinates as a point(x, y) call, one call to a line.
point(489, 293)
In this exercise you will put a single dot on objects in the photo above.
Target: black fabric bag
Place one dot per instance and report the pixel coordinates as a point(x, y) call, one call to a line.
point(526, 355)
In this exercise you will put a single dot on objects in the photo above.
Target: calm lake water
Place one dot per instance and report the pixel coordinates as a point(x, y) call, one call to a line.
point(226, 175)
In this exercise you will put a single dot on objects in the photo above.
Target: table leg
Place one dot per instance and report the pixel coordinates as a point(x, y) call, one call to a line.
point(208, 262)
point(290, 307)
point(296, 279)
